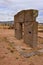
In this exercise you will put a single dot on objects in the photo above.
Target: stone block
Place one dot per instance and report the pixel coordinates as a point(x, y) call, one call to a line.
point(18, 34)
point(30, 15)
point(19, 17)
point(35, 34)
point(30, 34)
point(28, 18)
point(18, 30)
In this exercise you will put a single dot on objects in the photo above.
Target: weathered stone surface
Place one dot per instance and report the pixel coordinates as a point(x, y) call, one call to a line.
point(30, 33)
point(29, 54)
point(19, 17)
point(35, 34)
point(28, 18)
point(26, 15)
point(18, 30)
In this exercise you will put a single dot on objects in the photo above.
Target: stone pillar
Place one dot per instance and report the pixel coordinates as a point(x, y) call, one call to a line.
point(31, 28)
point(35, 34)
point(18, 30)
point(30, 33)
point(28, 18)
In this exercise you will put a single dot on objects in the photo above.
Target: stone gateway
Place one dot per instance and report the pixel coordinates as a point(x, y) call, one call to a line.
point(30, 29)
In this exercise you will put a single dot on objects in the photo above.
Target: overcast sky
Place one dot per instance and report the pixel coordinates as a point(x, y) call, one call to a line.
point(8, 8)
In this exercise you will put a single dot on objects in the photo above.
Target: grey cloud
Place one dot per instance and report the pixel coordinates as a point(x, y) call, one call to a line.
point(13, 6)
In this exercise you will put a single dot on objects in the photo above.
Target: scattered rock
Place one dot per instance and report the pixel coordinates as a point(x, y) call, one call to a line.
point(12, 51)
point(17, 58)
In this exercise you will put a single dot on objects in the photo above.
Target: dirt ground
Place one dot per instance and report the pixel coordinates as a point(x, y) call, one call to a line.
point(9, 54)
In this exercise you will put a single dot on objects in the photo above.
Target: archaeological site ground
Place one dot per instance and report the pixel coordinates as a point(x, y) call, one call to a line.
point(23, 44)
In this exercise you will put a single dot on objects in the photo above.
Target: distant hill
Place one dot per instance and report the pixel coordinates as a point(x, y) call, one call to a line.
point(40, 23)
point(6, 22)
